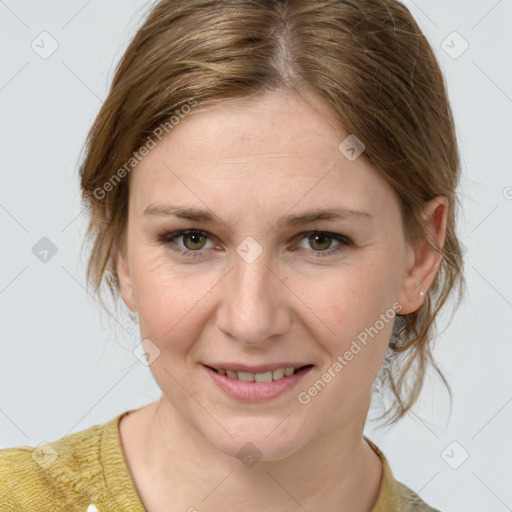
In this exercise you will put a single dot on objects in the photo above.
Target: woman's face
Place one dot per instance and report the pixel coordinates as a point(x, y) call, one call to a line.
point(252, 287)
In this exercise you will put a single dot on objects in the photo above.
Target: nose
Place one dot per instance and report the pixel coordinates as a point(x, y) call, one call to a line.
point(256, 302)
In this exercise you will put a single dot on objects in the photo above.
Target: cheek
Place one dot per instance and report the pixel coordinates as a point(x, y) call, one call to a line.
point(353, 309)
point(347, 300)
point(337, 305)
point(170, 299)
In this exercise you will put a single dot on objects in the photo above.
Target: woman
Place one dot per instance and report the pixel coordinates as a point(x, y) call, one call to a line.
point(269, 184)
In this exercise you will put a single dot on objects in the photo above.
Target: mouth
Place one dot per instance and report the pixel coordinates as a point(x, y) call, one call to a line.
point(257, 387)
point(262, 376)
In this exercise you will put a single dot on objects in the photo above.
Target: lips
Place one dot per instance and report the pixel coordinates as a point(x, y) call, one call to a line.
point(255, 390)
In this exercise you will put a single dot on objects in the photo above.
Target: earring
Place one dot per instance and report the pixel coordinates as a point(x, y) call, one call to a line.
point(397, 340)
point(422, 293)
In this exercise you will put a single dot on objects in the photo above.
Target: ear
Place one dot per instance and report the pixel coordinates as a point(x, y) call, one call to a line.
point(423, 262)
point(124, 278)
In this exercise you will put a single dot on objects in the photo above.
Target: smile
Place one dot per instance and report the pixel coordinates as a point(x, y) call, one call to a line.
point(257, 387)
point(269, 376)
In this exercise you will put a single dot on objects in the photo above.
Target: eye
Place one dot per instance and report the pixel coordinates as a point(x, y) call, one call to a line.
point(194, 242)
point(322, 240)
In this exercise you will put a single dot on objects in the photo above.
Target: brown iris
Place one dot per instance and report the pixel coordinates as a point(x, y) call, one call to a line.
point(317, 238)
point(195, 237)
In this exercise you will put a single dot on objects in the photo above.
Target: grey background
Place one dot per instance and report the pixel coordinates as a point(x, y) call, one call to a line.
point(66, 364)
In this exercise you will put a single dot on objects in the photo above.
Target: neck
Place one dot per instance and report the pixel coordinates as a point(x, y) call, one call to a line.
point(186, 472)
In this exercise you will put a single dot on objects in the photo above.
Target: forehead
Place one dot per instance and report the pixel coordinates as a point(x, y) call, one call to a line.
point(273, 125)
point(278, 148)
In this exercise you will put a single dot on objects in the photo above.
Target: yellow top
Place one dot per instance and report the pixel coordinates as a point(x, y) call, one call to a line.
point(86, 471)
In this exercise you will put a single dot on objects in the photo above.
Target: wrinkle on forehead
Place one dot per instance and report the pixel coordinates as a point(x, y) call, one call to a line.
point(269, 155)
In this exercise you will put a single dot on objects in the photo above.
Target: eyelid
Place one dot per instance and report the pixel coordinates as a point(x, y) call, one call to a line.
point(300, 236)
point(167, 238)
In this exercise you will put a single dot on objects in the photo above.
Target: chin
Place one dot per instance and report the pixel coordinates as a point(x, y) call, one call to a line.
point(252, 441)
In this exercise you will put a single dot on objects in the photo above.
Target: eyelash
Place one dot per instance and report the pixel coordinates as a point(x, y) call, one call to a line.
point(167, 240)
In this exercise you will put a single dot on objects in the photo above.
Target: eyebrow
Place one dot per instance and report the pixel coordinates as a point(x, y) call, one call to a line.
point(207, 216)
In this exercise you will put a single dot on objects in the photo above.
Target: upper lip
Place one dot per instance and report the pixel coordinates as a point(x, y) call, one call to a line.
point(260, 368)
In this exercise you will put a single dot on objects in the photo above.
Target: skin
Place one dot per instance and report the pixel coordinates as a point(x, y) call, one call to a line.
point(269, 156)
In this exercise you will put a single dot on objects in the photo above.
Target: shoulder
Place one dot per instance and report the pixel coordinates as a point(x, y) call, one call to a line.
point(394, 495)
point(409, 501)
point(61, 473)
point(7, 468)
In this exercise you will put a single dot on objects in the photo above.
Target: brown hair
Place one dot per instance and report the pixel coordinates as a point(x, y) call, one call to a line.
point(366, 59)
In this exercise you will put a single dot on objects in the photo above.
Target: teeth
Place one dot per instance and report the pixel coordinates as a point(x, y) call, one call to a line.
point(278, 374)
point(263, 377)
point(258, 377)
point(246, 376)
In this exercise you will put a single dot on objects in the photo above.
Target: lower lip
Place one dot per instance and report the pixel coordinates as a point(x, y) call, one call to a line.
point(256, 391)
